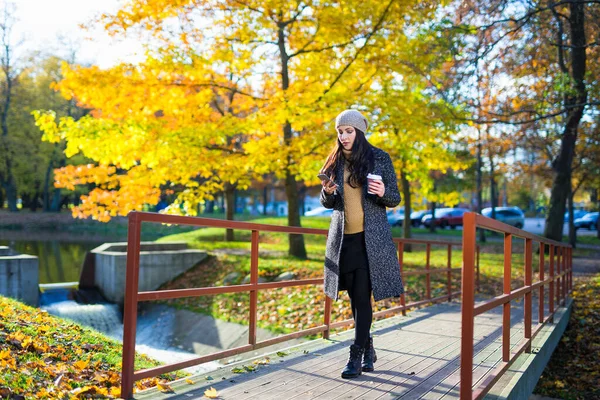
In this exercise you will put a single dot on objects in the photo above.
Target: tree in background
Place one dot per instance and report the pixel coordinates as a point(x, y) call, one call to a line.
point(544, 50)
point(302, 63)
point(8, 80)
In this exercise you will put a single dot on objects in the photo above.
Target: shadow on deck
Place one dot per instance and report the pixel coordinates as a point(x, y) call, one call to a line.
point(418, 358)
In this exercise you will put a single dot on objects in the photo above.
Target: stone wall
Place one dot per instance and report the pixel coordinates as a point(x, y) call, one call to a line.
point(159, 263)
point(19, 276)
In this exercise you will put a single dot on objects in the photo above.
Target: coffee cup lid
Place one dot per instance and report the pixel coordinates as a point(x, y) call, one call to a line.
point(373, 176)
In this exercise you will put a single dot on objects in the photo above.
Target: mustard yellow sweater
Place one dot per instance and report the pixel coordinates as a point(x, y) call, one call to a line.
point(353, 207)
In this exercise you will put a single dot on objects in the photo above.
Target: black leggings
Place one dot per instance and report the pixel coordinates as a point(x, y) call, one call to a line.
point(359, 289)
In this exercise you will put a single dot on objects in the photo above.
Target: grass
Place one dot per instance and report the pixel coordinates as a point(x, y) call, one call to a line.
point(45, 357)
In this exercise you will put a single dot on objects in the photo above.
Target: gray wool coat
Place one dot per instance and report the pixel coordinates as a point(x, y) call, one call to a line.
point(382, 254)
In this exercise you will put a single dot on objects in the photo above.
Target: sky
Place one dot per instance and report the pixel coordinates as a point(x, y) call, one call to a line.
point(40, 24)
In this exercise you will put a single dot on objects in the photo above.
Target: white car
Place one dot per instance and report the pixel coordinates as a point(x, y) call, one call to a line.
point(319, 212)
point(509, 215)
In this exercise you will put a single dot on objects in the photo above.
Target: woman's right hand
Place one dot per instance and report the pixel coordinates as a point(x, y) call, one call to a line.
point(329, 186)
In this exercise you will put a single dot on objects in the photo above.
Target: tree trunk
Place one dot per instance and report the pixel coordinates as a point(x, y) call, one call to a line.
point(432, 224)
point(10, 188)
point(46, 189)
point(406, 225)
point(480, 184)
point(265, 201)
point(572, 232)
point(493, 189)
point(297, 248)
point(229, 209)
point(56, 201)
point(575, 104)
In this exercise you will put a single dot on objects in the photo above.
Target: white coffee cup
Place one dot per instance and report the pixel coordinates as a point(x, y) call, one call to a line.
point(374, 178)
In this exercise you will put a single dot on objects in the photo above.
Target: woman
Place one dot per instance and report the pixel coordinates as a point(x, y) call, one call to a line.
point(361, 256)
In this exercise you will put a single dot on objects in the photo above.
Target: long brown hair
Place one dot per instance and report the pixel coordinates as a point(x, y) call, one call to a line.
point(361, 160)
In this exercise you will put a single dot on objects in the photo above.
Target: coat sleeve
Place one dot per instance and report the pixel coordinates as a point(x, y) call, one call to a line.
point(391, 197)
point(327, 200)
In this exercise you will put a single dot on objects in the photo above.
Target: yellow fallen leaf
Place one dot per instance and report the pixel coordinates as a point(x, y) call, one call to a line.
point(211, 393)
point(189, 381)
point(80, 365)
point(163, 387)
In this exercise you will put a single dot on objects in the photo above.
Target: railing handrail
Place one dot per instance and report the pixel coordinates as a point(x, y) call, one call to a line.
point(133, 296)
point(562, 278)
point(495, 225)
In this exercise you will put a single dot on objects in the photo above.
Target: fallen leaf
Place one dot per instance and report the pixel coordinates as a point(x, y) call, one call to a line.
point(163, 387)
point(211, 393)
point(80, 365)
point(189, 381)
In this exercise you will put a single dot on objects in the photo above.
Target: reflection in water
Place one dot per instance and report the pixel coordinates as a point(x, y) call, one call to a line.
point(59, 261)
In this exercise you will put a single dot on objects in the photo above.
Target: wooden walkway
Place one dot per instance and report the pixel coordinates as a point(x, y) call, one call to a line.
point(418, 358)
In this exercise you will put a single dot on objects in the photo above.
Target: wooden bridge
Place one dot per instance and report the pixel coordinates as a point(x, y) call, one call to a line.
point(470, 349)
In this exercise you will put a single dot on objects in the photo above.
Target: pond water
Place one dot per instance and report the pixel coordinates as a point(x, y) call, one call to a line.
point(59, 261)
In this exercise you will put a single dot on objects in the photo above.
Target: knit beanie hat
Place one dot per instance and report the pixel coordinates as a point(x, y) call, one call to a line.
point(352, 118)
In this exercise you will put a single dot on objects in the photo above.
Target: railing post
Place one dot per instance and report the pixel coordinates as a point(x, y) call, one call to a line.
point(558, 280)
point(551, 290)
point(542, 264)
point(478, 252)
point(528, 298)
point(401, 262)
point(449, 274)
point(566, 276)
point(428, 274)
point(467, 307)
point(254, 291)
point(130, 305)
point(507, 289)
point(570, 269)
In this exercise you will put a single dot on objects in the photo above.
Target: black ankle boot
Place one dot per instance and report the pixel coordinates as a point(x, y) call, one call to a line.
point(353, 368)
point(370, 356)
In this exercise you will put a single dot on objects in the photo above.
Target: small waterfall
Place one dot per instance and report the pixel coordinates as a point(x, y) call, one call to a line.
point(102, 317)
point(154, 333)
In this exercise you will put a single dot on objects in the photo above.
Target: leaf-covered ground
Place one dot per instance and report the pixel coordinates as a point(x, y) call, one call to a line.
point(573, 372)
point(45, 357)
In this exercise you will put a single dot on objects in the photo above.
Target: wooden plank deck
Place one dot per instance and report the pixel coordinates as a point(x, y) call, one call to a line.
point(418, 358)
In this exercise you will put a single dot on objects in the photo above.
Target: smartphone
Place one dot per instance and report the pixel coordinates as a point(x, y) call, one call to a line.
point(323, 177)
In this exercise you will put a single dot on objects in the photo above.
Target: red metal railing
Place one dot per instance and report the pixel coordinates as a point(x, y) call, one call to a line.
point(133, 297)
point(559, 282)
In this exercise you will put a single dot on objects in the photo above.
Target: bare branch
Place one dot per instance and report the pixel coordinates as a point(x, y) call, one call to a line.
point(359, 51)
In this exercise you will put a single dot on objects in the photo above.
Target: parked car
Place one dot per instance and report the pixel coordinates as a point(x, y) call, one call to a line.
point(319, 212)
point(588, 221)
point(416, 217)
point(444, 217)
point(576, 215)
point(509, 215)
point(395, 216)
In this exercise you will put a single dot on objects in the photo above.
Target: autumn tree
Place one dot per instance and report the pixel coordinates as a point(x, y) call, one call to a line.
point(545, 48)
point(298, 65)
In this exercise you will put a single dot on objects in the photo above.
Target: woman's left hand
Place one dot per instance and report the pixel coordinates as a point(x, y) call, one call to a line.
point(376, 187)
